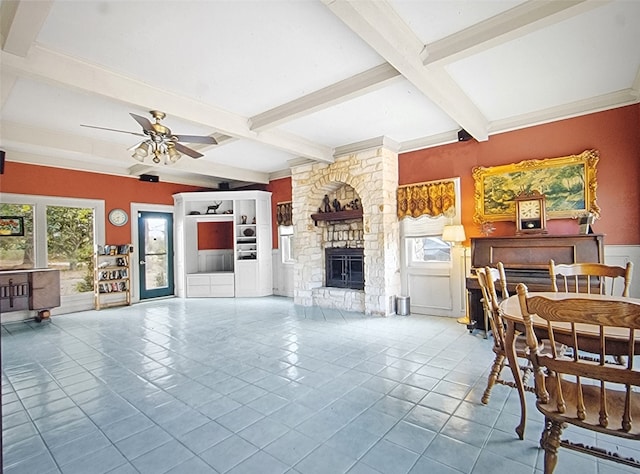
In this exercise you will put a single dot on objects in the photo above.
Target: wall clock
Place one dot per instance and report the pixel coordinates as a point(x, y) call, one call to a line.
point(118, 217)
point(530, 213)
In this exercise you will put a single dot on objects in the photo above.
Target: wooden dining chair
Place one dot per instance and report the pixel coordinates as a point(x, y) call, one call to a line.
point(591, 278)
point(595, 395)
point(487, 279)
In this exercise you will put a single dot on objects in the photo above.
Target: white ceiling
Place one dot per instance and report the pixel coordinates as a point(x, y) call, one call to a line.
point(279, 82)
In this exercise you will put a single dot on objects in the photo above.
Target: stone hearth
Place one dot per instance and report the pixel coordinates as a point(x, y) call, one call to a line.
point(373, 175)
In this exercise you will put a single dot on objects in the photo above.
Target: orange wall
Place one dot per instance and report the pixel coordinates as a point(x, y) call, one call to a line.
point(614, 133)
point(215, 235)
point(280, 192)
point(117, 191)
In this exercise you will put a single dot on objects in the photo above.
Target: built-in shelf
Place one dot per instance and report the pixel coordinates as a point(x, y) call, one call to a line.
point(337, 216)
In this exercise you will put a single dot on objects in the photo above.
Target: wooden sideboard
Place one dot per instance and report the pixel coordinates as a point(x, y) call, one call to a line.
point(526, 260)
point(37, 289)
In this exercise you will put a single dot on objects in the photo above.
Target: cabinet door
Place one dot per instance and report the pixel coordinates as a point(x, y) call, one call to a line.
point(14, 292)
point(246, 278)
point(45, 289)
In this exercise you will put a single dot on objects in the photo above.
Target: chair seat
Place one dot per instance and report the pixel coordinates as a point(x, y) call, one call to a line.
point(591, 396)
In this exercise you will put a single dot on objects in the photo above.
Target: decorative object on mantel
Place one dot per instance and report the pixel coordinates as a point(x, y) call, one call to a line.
point(568, 183)
point(337, 216)
point(530, 213)
point(427, 199)
point(284, 213)
point(335, 211)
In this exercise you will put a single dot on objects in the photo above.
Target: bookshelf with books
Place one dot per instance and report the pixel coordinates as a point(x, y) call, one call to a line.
point(112, 275)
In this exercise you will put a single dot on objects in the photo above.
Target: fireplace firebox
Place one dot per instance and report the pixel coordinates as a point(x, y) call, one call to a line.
point(344, 268)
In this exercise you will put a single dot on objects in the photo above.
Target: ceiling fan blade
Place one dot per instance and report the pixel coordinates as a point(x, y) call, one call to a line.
point(143, 122)
point(113, 130)
point(187, 151)
point(196, 139)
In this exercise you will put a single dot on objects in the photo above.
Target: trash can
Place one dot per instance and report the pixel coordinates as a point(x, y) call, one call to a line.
point(403, 303)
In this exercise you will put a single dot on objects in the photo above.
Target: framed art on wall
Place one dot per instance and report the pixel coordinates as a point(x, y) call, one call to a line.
point(568, 183)
point(11, 226)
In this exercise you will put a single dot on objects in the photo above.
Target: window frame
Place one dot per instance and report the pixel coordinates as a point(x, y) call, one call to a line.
point(285, 244)
point(40, 204)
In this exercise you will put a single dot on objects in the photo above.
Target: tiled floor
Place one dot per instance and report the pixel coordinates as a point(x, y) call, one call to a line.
point(259, 386)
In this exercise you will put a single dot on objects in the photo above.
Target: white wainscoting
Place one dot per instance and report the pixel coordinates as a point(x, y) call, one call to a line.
point(621, 254)
point(282, 275)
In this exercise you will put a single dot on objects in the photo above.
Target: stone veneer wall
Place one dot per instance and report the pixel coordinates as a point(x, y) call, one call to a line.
point(373, 174)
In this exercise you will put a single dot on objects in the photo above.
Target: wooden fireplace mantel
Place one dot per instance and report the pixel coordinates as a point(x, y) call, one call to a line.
point(337, 216)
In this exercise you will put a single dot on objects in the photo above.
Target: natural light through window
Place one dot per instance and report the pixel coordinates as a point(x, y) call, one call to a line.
point(429, 249)
point(70, 247)
point(16, 251)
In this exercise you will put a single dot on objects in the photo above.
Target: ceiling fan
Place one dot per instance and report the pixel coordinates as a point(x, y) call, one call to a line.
point(160, 142)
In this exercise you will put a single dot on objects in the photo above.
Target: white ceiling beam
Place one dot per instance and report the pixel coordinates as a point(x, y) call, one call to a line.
point(525, 18)
point(379, 25)
point(66, 146)
point(45, 65)
point(21, 22)
point(636, 85)
point(355, 86)
point(7, 81)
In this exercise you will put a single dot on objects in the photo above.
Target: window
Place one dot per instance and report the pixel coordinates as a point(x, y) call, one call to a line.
point(286, 243)
point(70, 247)
point(17, 252)
point(58, 233)
point(429, 249)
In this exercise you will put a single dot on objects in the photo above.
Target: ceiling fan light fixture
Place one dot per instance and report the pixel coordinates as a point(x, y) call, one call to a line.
point(160, 143)
point(141, 151)
point(174, 156)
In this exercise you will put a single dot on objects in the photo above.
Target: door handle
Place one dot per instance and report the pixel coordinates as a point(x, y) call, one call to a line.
point(142, 262)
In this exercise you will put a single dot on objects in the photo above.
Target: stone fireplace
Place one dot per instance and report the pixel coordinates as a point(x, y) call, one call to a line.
point(371, 176)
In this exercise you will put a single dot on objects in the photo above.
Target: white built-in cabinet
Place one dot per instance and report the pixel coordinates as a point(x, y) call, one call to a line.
point(243, 218)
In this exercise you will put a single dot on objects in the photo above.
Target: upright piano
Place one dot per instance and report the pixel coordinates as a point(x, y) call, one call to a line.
point(526, 260)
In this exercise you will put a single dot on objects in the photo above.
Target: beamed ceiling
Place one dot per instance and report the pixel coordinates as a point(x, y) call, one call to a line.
point(281, 82)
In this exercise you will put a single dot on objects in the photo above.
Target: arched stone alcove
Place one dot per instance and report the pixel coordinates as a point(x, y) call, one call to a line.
point(373, 174)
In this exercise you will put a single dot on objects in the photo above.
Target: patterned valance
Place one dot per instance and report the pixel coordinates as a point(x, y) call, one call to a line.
point(431, 199)
point(284, 214)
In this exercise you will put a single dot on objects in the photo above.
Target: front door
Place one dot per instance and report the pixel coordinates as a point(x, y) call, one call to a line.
point(155, 251)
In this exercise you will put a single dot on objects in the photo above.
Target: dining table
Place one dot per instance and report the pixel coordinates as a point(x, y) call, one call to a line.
point(617, 339)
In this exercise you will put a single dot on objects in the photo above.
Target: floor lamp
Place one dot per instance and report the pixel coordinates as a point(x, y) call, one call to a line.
point(455, 234)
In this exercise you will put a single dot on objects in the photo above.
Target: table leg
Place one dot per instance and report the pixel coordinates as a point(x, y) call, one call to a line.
point(510, 350)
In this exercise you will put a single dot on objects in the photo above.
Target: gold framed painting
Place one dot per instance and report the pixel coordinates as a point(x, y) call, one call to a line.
point(568, 184)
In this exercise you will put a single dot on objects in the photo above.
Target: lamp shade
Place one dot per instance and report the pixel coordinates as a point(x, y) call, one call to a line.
point(453, 233)
point(141, 151)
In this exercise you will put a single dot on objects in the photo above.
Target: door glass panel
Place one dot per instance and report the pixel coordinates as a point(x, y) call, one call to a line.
point(429, 249)
point(70, 247)
point(156, 268)
point(156, 272)
point(16, 251)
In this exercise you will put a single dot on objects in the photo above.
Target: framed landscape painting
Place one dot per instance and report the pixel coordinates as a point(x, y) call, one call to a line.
point(568, 183)
point(11, 226)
